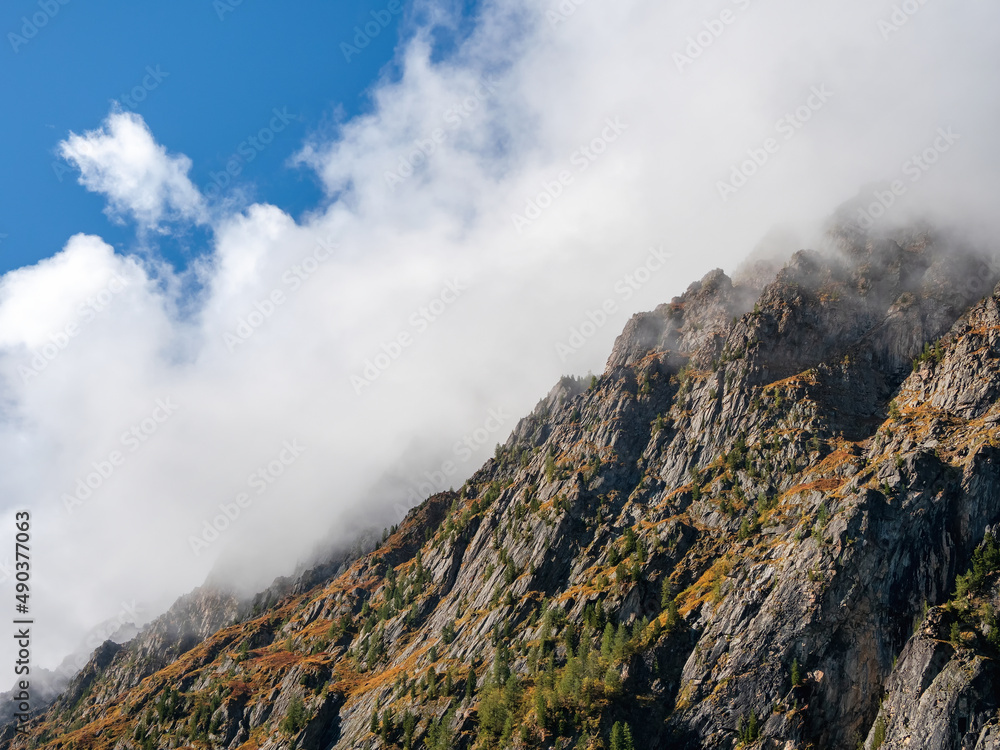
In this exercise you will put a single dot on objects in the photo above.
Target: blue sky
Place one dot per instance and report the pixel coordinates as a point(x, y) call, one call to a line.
point(215, 82)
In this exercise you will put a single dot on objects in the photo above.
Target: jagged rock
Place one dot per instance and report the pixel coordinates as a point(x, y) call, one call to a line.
point(939, 696)
point(769, 484)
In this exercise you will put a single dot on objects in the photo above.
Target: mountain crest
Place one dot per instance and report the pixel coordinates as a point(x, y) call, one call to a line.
point(765, 522)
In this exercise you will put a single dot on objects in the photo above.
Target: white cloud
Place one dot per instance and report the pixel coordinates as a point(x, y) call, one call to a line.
point(318, 314)
point(122, 161)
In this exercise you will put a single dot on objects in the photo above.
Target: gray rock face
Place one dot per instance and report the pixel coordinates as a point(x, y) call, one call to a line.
point(747, 531)
point(940, 696)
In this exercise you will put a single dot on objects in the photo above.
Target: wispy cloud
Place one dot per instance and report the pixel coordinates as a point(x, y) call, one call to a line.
point(139, 178)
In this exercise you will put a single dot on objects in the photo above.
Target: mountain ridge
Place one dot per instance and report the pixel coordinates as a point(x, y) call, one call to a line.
point(751, 528)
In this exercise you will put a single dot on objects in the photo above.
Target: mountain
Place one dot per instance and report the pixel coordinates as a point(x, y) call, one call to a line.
point(770, 522)
point(47, 685)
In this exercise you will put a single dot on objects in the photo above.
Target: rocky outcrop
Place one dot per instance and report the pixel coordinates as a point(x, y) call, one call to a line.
point(940, 696)
point(748, 531)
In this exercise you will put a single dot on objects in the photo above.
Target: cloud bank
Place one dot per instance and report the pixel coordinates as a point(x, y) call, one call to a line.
point(488, 226)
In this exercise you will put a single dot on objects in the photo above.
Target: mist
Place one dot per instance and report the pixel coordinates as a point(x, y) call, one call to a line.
point(488, 226)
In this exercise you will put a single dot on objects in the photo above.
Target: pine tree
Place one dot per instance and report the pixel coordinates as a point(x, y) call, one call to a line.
point(295, 719)
point(673, 616)
point(449, 683)
point(608, 641)
point(621, 737)
point(612, 681)
point(569, 638)
point(541, 709)
point(747, 730)
point(630, 540)
point(409, 727)
point(501, 665)
point(617, 737)
point(440, 735)
point(550, 467)
point(470, 685)
point(621, 642)
point(629, 744)
point(448, 632)
point(432, 684)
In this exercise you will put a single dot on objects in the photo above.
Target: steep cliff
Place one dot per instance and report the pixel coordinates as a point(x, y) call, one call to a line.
point(754, 528)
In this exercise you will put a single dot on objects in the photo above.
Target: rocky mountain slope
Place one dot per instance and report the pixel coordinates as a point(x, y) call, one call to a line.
point(769, 523)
